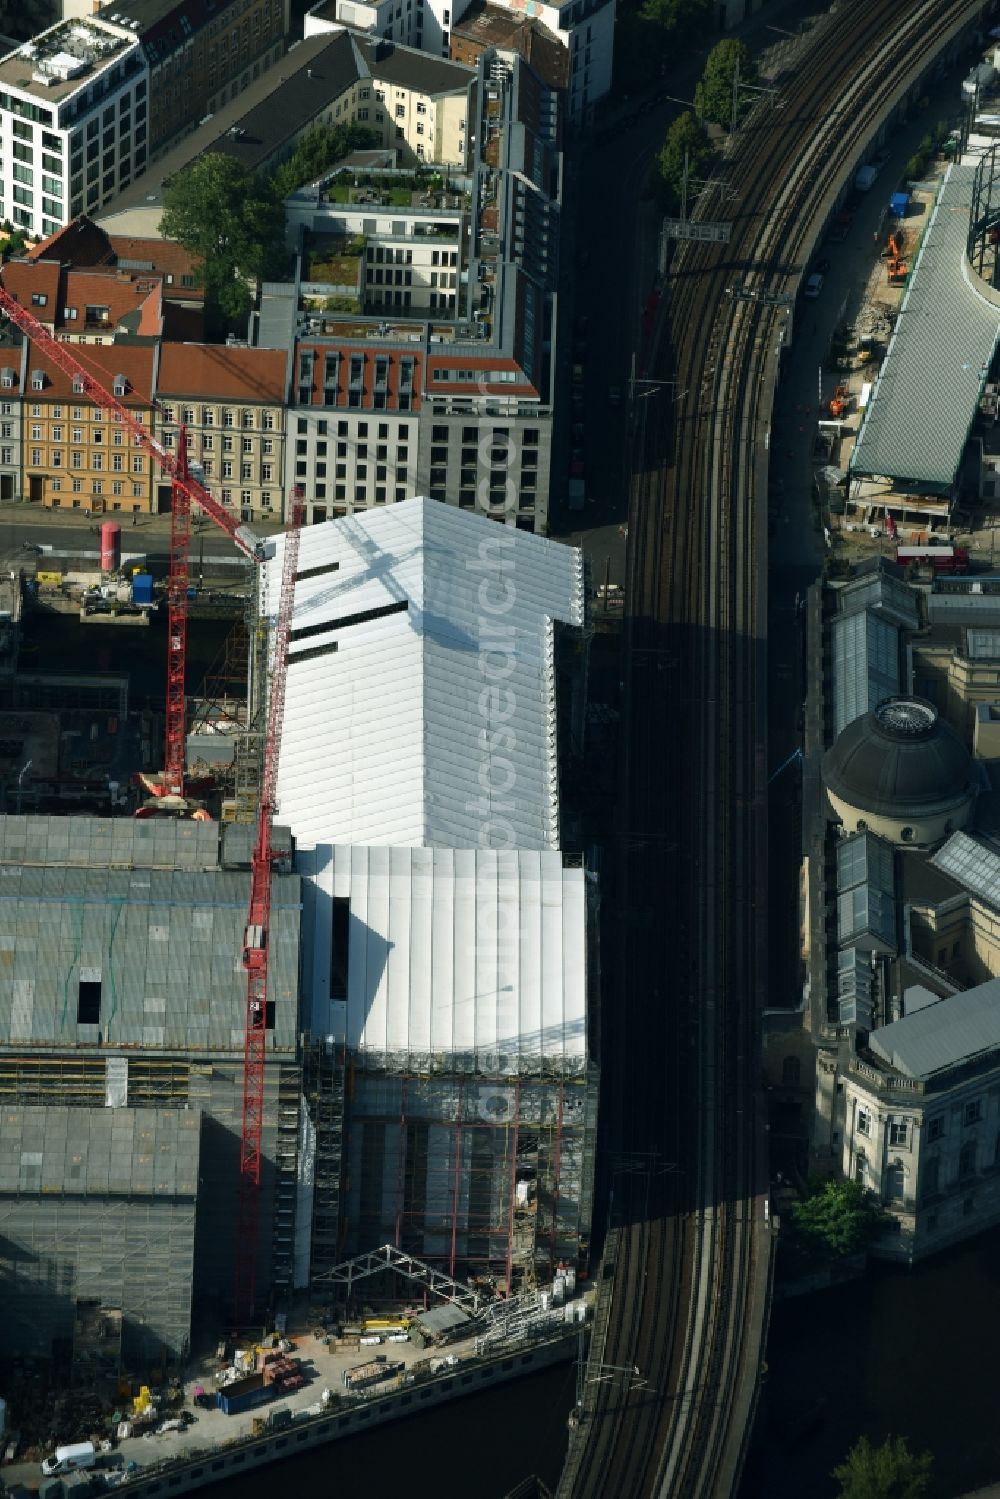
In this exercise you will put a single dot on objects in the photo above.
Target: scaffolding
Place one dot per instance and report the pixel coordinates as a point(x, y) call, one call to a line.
point(491, 1176)
point(286, 1164)
point(323, 1086)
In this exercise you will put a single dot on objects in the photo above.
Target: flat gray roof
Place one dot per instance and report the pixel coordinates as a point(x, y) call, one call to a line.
point(863, 910)
point(288, 98)
point(865, 859)
point(927, 394)
point(983, 645)
point(105, 842)
point(944, 1035)
point(77, 1152)
point(143, 958)
point(974, 864)
point(864, 663)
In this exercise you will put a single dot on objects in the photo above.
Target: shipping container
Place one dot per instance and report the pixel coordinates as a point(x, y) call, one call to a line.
point(244, 1394)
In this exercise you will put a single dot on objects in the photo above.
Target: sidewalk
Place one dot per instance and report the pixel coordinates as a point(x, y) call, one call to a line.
point(26, 512)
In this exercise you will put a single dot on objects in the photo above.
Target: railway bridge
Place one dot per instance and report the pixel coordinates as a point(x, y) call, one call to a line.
point(679, 1337)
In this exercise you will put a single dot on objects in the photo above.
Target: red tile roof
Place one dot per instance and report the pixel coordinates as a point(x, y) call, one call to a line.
point(164, 255)
point(121, 292)
point(394, 353)
point(102, 362)
point(24, 279)
point(217, 372)
point(81, 242)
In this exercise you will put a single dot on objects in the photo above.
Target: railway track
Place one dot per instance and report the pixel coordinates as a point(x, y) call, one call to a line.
point(671, 1391)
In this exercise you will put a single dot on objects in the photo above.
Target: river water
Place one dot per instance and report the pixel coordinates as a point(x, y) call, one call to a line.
point(912, 1352)
point(477, 1447)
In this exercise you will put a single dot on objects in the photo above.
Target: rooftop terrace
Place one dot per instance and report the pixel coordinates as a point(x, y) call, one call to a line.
point(64, 59)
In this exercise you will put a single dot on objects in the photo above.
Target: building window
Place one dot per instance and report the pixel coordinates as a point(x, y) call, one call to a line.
point(864, 1122)
point(860, 1168)
point(935, 1128)
point(967, 1160)
point(88, 1002)
point(973, 1112)
point(898, 1132)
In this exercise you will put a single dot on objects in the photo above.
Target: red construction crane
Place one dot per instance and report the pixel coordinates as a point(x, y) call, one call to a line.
point(255, 947)
point(184, 489)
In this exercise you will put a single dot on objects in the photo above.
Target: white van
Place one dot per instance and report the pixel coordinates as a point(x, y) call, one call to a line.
point(69, 1459)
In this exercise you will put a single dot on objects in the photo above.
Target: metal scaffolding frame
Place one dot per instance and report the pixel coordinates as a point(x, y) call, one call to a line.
point(494, 1175)
point(323, 1084)
point(388, 1257)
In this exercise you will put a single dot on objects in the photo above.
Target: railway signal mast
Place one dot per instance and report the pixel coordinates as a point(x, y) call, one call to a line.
point(185, 488)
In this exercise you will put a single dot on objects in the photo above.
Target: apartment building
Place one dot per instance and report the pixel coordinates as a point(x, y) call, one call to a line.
point(12, 367)
point(74, 127)
point(354, 426)
point(489, 25)
point(84, 245)
point(95, 306)
point(200, 56)
point(419, 106)
point(74, 455)
point(231, 402)
point(469, 356)
point(85, 105)
point(585, 30)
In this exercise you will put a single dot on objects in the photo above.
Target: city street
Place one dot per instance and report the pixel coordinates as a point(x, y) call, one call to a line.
point(70, 535)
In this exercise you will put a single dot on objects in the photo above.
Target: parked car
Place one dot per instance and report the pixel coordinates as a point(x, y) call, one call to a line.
point(823, 266)
point(813, 286)
point(615, 396)
point(576, 468)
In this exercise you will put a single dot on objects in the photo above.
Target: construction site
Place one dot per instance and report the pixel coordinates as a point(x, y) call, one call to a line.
point(343, 996)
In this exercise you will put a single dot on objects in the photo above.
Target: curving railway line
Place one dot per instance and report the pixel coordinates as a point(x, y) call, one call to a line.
point(679, 1336)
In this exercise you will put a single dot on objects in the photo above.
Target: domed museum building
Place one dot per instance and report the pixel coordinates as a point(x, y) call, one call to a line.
point(900, 771)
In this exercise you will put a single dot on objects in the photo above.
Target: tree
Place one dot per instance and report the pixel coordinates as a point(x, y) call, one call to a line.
point(650, 33)
point(686, 137)
point(887, 1472)
point(837, 1218)
point(677, 20)
point(713, 96)
point(318, 150)
point(232, 222)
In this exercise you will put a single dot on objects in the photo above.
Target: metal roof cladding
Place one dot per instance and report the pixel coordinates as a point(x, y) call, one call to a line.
point(149, 920)
point(925, 399)
point(469, 961)
point(974, 864)
point(421, 697)
point(942, 1035)
point(86, 1152)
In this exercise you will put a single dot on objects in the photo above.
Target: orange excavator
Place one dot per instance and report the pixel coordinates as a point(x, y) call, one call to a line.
point(840, 402)
point(896, 268)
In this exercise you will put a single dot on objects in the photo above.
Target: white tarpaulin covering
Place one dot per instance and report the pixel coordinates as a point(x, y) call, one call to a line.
point(420, 705)
point(459, 961)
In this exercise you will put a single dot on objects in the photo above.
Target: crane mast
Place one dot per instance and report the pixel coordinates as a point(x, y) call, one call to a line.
point(185, 490)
